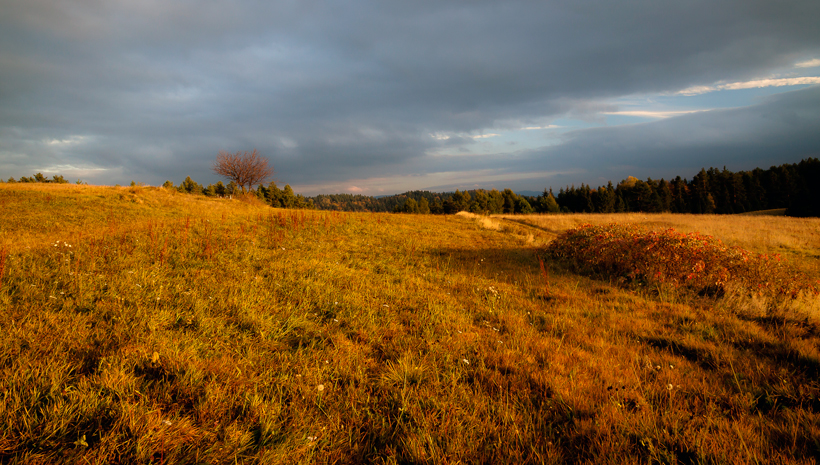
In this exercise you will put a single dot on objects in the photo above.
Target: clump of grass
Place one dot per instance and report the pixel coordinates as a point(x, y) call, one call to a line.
point(692, 261)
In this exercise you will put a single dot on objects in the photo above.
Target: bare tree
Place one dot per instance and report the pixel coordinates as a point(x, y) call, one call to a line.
point(245, 169)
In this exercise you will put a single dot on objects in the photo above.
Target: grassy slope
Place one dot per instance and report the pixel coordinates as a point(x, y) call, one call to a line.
point(183, 329)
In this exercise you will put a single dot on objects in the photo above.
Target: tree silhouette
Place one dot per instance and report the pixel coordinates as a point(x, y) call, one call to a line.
point(245, 169)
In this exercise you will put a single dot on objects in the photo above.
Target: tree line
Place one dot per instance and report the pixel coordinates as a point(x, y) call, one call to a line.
point(39, 177)
point(270, 194)
point(795, 187)
point(424, 202)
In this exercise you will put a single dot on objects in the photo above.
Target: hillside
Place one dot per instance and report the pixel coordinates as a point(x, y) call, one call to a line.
point(141, 325)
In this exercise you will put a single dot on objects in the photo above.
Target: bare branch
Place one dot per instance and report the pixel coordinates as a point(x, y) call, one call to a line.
point(243, 168)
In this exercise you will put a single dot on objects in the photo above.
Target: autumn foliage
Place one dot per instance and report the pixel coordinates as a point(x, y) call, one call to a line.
point(692, 262)
point(245, 169)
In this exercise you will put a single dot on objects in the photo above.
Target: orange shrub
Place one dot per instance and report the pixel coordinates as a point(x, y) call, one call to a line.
point(693, 261)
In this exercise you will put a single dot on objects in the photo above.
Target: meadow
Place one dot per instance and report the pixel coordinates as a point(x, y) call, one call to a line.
point(141, 325)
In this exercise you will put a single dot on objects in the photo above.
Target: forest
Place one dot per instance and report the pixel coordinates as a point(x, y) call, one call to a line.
point(794, 187)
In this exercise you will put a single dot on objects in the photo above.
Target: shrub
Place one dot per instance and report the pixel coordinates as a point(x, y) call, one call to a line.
point(692, 262)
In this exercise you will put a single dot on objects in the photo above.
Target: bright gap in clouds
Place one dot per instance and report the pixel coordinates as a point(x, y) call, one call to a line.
point(435, 182)
point(756, 84)
point(504, 143)
point(506, 140)
point(651, 114)
point(809, 63)
point(630, 110)
point(709, 97)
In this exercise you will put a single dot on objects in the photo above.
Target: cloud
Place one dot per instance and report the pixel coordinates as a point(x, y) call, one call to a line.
point(808, 64)
point(435, 181)
point(755, 84)
point(652, 114)
point(549, 126)
point(70, 140)
point(485, 136)
point(782, 129)
point(333, 92)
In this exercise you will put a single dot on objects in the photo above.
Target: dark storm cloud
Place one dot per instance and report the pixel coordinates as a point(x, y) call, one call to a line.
point(151, 90)
point(782, 129)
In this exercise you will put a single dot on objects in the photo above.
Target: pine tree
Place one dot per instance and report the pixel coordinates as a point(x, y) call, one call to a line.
point(190, 186)
point(274, 195)
point(437, 208)
point(510, 199)
point(546, 203)
point(288, 200)
point(620, 205)
point(495, 204)
point(664, 196)
point(480, 203)
point(680, 196)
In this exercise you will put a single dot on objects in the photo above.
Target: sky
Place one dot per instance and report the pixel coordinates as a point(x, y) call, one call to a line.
point(381, 97)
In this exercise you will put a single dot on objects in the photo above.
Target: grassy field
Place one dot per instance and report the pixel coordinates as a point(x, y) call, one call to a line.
point(140, 325)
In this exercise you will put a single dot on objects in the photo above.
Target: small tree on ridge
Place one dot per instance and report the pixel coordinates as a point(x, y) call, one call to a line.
point(245, 169)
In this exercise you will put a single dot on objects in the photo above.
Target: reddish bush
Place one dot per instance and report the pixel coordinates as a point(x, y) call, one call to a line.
point(693, 261)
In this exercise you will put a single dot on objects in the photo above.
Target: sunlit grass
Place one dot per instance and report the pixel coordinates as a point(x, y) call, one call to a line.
point(796, 239)
point(678, 262)
point(145, 326)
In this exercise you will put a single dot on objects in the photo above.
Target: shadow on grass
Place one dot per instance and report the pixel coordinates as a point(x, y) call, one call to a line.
point(780, 354)
point(552, 232)
point(699, 356)
point(494, 263)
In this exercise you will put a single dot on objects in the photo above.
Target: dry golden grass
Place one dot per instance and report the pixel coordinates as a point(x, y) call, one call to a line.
point(36, 214)
point(797, 239)
point(179, 329)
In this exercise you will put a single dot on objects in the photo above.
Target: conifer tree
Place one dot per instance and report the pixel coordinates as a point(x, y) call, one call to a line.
point(664, 196)
point(480, 203)
point(546, 203)
point(510, 199)
point(219, 189)
point(495, 204)
point(288, 199)
point(190, 186)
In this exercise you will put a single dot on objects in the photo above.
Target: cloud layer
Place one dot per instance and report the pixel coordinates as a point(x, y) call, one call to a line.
point(342, 92)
